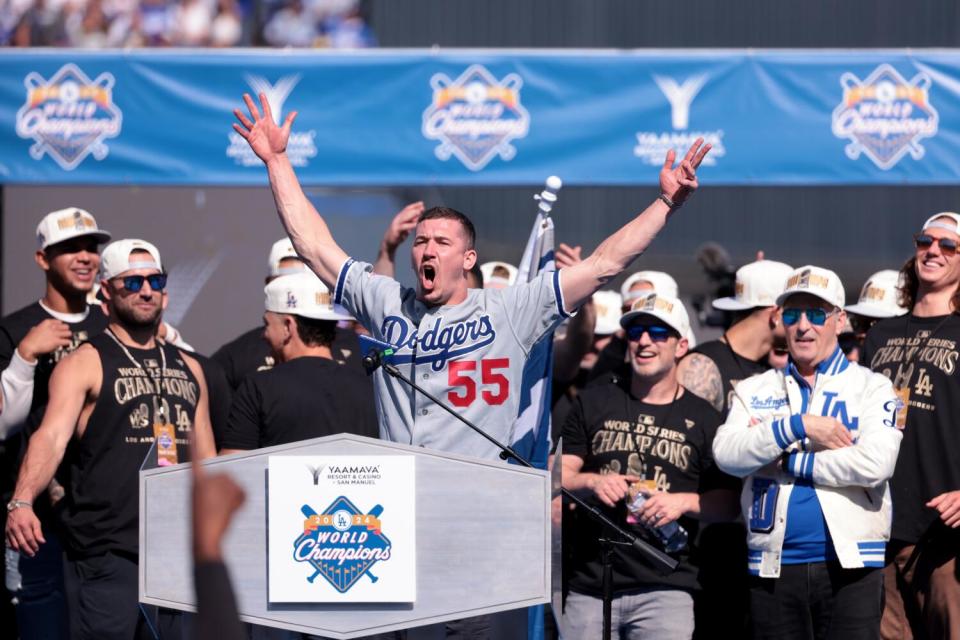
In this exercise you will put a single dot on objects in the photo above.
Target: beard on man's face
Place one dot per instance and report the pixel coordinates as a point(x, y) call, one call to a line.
point(136, 318)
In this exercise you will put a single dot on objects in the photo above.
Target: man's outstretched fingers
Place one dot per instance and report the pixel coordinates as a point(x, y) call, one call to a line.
point(254, 112)
point(267, 113)
point(668, 162)
point(288, 121)
point(243, 119)
point(700, 156)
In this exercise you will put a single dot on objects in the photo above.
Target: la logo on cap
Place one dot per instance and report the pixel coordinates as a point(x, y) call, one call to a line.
point(291, 300)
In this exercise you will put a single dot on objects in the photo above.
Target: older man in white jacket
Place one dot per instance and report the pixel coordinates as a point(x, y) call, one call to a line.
point(817, 442)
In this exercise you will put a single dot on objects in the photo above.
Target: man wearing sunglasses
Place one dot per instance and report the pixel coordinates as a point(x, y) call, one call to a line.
point(919, 353)
point(643, 433)
point(32, 340)
point(110, 401)
point(816, 443)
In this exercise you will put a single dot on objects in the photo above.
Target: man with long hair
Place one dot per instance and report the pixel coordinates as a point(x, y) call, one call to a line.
point(919, 353)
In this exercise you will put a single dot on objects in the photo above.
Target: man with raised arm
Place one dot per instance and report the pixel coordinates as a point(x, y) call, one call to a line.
point(466, 345)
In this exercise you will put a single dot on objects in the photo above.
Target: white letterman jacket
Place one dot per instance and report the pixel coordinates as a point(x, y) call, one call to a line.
point(851, 483)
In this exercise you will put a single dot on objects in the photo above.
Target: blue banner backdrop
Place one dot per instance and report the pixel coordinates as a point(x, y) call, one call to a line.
point(411, 117)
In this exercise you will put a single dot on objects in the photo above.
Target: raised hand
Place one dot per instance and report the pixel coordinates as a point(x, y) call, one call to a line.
point(677, 183)
point(567, 256)
point(402, 224)
point(265, 137)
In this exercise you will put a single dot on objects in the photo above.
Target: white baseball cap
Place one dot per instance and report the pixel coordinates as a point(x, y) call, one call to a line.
point(280, 251)
point(115, 258)
point(822, 283)
point(64, 224)
point(942, 224)
point(303, 294)
point(662, 283)
point(607, 304)
point(878, 297)
point(668, 310)
point(757, 285)
point(498, 273)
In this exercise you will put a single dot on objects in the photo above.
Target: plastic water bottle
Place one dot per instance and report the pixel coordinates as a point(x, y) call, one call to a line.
point(671, 535)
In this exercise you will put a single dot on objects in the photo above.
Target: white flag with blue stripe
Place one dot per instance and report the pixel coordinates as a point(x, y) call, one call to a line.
point(531, 431)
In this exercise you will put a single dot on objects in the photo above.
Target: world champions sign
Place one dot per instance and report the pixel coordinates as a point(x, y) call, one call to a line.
point(341, 529)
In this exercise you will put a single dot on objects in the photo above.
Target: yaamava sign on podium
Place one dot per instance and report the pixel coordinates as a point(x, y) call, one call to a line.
point(466, 536)
point(341, 529)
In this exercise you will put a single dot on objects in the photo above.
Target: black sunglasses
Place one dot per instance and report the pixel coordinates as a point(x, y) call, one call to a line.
point(133, 284)
point(924, 241)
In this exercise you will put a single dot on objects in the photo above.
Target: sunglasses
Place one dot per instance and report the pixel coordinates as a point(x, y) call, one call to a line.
point(133, 284)
point(924, 241)
point(817, 317)
point(657, 332)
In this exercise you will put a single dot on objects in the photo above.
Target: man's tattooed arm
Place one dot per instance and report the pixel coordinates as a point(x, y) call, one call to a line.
point(700, 374)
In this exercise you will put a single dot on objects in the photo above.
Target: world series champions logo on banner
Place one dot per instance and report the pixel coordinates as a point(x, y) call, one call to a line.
point(476, 116)
point(69, 116)
point(885, 116)
point(342, 544)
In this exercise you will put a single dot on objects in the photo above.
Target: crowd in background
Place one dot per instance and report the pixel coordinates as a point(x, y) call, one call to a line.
point(96, 24)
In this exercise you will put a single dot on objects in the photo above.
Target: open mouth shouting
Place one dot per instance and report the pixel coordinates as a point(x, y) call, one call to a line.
point(428, 277)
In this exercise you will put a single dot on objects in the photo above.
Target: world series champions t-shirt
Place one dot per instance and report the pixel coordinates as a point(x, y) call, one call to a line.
point(614, 432)
point(101, 510)
point(921, 355)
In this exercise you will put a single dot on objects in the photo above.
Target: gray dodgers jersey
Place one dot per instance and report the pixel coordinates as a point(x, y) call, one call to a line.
point(470, 355)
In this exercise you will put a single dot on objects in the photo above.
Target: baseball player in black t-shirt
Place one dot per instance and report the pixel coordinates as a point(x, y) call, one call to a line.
point(651, 432)
point(920, 352)
point(32, 340)
point(306, 394)
point(111, 400)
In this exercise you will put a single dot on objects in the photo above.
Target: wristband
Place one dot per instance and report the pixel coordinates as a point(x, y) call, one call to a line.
point(16, 504)
point(670, 203)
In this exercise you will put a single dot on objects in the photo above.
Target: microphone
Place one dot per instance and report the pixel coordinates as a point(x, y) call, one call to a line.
point(372, 361)
point(374, 353)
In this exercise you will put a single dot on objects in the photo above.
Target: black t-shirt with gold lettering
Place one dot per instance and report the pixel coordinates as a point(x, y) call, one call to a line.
point(101, 509)
point(614, 432)
point(921, 355)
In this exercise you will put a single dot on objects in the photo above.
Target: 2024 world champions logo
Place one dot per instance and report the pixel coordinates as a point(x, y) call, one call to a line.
point(342, 543)
point(476, 116)
point(69, 116)
point(885, 117)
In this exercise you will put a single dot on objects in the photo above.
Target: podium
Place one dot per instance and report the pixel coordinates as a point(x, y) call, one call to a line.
point(482, 531)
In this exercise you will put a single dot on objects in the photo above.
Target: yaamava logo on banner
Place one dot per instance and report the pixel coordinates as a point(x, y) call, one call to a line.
point(69, 116)
point(652, 146)
point(300, 147)
point(884, 116)
point(475, 117)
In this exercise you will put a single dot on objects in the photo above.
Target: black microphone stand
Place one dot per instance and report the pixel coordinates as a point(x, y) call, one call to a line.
point(660, 560)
